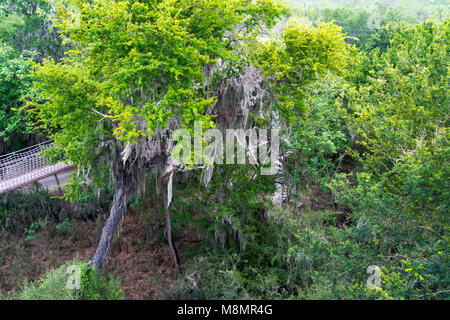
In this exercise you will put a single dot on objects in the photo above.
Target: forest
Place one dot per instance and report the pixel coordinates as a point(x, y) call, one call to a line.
point(224, 149)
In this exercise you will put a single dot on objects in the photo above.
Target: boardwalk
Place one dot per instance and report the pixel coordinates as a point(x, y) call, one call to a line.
point(26, 166)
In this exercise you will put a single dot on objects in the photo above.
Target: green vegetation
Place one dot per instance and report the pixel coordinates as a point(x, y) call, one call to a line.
point(53, 286)
point(26, 35)
point(36, 208)
point(358, 90)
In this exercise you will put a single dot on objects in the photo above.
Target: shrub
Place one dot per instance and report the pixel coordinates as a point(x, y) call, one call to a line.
point(210, 277)
point(95, 286)
point(53, 286)
point(31, 209)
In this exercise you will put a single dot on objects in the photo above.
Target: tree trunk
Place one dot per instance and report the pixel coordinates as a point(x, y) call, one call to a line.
point(117, 212)
point(172, 247)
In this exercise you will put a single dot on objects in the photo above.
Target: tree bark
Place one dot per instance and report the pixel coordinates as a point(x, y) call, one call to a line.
point(172, 247)
point(117, 212)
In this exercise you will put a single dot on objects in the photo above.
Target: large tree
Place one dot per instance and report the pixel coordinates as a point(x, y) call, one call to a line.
point(135, 72)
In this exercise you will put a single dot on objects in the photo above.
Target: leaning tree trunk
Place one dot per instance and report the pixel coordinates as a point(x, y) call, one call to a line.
point(122, 185)
point(166, 181)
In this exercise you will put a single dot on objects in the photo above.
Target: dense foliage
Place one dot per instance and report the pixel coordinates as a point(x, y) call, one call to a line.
point(52, 286)
point(360, 94)
point(26, 34)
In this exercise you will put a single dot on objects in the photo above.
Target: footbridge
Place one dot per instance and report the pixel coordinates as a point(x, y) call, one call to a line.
point(23, 167)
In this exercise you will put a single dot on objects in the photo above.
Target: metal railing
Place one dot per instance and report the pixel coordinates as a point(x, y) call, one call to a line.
point(25, 166)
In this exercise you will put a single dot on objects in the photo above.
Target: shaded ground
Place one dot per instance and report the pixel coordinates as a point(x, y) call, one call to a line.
point(140, 256)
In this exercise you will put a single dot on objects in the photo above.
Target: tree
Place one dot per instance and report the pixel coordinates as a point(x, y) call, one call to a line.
point(27, 25)
point(26, 33)
point(302, 54)
point(14, 81)
point(360, 24)
point(399, 121)
point(133, 74)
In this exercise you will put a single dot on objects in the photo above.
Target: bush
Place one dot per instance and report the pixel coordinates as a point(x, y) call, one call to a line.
point(53, 286)
point(210, 277)
point(297, 257)
point(318, 140)
point(95, 286)
point(266, 269)
point(32, 209)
